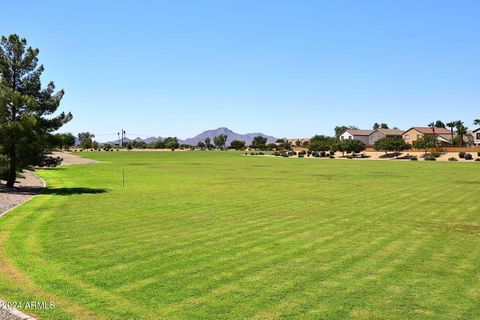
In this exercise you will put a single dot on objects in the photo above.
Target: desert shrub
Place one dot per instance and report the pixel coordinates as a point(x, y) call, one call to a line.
point(292, 153)
point(452, 159)
point(261, 153)
point(301, 153)
point(413, 158)
point(323, 154)
point(315, 154)
point(252, 153)
point(430, 158)
point(468, 156)
point(478, 159)
point(435, 154)
point(276, 153)
point(461, 155)
point(332, 156)
point(284, 154)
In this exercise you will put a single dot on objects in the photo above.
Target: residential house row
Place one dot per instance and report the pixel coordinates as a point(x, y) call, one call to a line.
point(444, 136)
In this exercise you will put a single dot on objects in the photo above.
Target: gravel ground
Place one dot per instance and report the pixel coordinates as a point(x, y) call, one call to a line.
point(24, 189)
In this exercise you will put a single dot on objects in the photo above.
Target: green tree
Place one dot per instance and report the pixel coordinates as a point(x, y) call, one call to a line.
point(86, 139)
point(259, 142)
point(476, 122)
point(353, 146)
point(451, 125)
point(68, 140)
point(129, 146)
point(321, 143)
point(283, 144)
point(440, 124)
point(393, 144)
point(461, 131)
point(426, 142)
point(201, 145)
point(220, 141)
point(237, 145)
point(208, 143)
point(27, 111)
point(376, 126)
point(94, 144)
point(171, 143)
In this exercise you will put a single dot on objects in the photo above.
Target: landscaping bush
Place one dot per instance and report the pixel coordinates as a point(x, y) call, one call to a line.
point(276, 153)
point(301, 155)
point(332, 156)
point(284, 154)
point(315, 154)
point(478, 159)
point(323, 154)
point(435, 154)
point(478, 154)
point(430, 158)
point(261, 153)
point(413, 158)
point(461, 155)
point(468, 156)
point(452, 159)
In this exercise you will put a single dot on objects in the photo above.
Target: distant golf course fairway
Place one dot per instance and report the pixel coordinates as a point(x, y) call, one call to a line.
point(217, 235)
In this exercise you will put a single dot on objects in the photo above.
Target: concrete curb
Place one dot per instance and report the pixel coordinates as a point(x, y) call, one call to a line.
point(7, 313)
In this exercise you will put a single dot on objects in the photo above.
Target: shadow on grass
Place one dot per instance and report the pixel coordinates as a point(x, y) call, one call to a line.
point(73, 191)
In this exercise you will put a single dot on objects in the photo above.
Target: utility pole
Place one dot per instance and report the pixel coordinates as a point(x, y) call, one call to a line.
point(118, 134)
point(124, 133)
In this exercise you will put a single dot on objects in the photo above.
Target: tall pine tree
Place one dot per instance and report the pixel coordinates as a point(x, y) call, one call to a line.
point(27, 111)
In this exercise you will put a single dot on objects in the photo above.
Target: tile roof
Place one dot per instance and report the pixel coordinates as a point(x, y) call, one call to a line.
point(392, 132)
point(359, 132)
point(429, 130)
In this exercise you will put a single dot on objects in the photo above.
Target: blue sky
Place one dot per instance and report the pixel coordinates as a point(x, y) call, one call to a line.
point(285, 68)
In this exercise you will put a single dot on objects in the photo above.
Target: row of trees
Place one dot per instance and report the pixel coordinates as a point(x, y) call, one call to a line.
point(27, 111)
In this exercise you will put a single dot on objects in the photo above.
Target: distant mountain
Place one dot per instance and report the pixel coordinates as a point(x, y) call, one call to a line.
point(248, 137)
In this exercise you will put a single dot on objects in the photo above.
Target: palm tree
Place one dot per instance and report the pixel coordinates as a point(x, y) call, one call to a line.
point(461, 131)
point(432, 126)
point(476, 122)
point(451, 125)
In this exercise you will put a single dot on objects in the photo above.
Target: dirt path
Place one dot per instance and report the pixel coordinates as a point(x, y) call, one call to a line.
point(25, 188)
point(69, 159)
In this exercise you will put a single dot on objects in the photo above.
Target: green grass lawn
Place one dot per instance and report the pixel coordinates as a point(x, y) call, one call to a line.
point(212, 235)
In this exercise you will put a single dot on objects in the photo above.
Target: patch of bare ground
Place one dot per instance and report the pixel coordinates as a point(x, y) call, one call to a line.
point(69, 159)
point(24, 189)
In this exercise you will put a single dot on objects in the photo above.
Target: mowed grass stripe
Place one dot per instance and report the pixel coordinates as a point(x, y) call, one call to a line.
point(212, 235)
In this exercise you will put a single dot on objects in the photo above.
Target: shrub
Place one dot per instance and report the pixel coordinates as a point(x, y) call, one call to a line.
point(468, 156)
point(332, 156)
point(478, 153)
point(430, 158)
point(284, 154)
point(276, 153)
point(302, 153)
point(435, 154)
point(452, 159)
point(323, 154)
point(478, 159)
point(461, 155)
point(252, 153)
point(261, 153)
point(413, 158)
point(315, 154)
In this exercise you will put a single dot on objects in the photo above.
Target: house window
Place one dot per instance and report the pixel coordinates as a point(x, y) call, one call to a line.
point(478, 136)
point(407, 137)
point(350, 138)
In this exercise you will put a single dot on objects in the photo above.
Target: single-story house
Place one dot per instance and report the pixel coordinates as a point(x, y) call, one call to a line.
point(384, 133)
point(476, 136)
point(361, 135)
point(413, 134)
